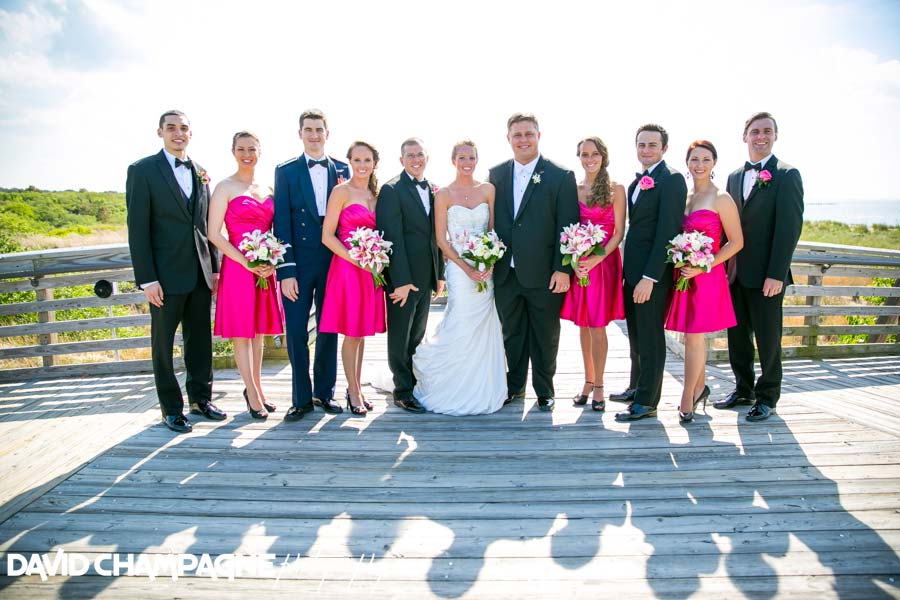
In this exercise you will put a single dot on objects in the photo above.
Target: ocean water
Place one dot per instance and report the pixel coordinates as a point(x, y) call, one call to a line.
point(861, 212)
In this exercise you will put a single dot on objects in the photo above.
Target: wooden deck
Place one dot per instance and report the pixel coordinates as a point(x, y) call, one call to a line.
point(519, 504)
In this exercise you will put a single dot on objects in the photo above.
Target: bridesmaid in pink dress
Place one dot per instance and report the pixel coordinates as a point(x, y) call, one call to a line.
point(601, 202)
point(354, 305)
point(244, 312)
point(706, 305)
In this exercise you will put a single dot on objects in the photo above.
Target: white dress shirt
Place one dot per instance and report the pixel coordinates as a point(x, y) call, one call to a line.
point(183, 175)
point(752, 175)
point(637, 188)
point(319, 177)
point(423, 194)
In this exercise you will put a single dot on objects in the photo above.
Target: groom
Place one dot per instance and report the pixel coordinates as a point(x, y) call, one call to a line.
point(769, 195)
point(175, 266)
point(405, 213)
point(302, 187)
point(656, 200)
point(536, 198)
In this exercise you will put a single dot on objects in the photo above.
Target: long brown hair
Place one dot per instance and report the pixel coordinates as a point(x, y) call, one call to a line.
point(373, 181)
point(601, 192)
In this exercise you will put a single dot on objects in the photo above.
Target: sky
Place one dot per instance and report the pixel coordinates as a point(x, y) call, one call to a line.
point(83, 82)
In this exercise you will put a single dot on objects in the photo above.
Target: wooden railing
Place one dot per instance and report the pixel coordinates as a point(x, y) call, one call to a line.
point(819, 271)
point(815, 268)
point(47, 270)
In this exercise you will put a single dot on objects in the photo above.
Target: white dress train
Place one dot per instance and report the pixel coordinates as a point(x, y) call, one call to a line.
point(461, 368)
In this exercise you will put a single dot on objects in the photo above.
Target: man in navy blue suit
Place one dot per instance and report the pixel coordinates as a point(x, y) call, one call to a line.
point(302, 187)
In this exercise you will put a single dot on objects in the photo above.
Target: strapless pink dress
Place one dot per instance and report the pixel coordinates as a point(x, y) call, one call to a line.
point(242, 309)
point(706, 305)
point(601, 301)
point(353, 305)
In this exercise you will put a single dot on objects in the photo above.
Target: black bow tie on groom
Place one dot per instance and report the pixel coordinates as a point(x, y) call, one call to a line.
point(187, 164)
point(749, 166)
point(639, 175)
point(322, 163)
point(422, 184)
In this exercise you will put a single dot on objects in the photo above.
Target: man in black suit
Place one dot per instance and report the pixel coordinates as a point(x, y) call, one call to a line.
point(302, 188)
point(535, 199)
point(405, 213)
point(656, 200)
point(176, 267)
point(769, 195)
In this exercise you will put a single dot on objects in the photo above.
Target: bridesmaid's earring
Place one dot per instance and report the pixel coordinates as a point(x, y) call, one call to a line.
point(712, 174)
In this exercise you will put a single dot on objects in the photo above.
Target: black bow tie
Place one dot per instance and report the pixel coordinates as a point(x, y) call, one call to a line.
point(322, 163)
point(187, 164)
point(422, 184)
point(639, 175)
point(749, 166)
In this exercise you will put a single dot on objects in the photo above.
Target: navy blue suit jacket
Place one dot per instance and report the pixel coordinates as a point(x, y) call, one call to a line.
point(297, 221)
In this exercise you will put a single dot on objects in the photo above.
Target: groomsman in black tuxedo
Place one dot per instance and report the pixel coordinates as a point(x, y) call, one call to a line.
point(769, 195)
point(405, 213)
point(302, 188)
point(536, 198)
point(176, 267)
point(656, 200)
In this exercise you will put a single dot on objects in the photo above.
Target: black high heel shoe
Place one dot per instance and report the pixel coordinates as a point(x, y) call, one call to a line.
point(359, 411)
point(689, 416)
point(366, 403)
point(266, 405)
point(581, 399)
point(598, 405)
point(255, 414)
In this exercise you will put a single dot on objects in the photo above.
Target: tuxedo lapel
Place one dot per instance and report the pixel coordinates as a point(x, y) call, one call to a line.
point(631, 194)
point(306, 187)
point(529, 189)
point(660, 168)
point(772, 167)
point(736, 183)
point(416, 198)
point(165, 169)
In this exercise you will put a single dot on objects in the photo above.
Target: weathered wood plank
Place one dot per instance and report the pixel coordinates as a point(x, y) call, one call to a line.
point(71, 303)
point(77, 347)
point(75, 325)
point(87, 278)
point(842, 290)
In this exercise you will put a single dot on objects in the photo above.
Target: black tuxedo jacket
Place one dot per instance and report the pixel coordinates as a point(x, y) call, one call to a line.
point(550, 203)
point(166, 238)
point(771, 219)
point(415, 257)
point(653, 220)
point(297, 221)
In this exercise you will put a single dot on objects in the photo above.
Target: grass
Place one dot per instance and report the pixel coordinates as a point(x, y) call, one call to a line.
point(832, 232)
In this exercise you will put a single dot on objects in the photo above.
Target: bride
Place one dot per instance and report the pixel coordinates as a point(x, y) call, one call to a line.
point(461, 368)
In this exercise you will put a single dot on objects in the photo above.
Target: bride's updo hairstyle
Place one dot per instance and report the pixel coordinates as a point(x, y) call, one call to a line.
point(701, 144)
point(601, 191)
point(462, 143)
point(242, 134)
point(373, 181)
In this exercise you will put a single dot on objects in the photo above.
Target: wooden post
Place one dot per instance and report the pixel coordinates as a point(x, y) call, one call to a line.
point(45, 339)
point(812, 341)
point(880, 338)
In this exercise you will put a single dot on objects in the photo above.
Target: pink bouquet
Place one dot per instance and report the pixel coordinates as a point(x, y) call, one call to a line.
point(578, 240)
point(262, 248)
point(690, 248)
point(481, 249)
point(370, 250)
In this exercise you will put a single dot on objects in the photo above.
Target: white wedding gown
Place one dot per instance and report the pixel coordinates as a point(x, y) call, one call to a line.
point(461, 368)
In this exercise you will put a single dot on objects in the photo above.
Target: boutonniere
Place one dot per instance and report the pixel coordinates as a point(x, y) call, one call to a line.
point(536, 178)
point(203, 177)
point(646, 183)
point(763, 179)
point(434, 189)
point(340, 179)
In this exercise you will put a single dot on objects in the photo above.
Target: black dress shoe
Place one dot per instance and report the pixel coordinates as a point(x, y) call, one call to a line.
point(546, 403)
point(732, 400)
point(410, 404)
point(760, 412)
point(295, 413)
point(328, 405)
point(510, 398)
point(178, 423)
point(636, 411)
point(208, 410)
point(626, 396)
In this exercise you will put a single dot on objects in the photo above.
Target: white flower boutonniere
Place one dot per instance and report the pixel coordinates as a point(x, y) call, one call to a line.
point(203, 177)
point(536, 178)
